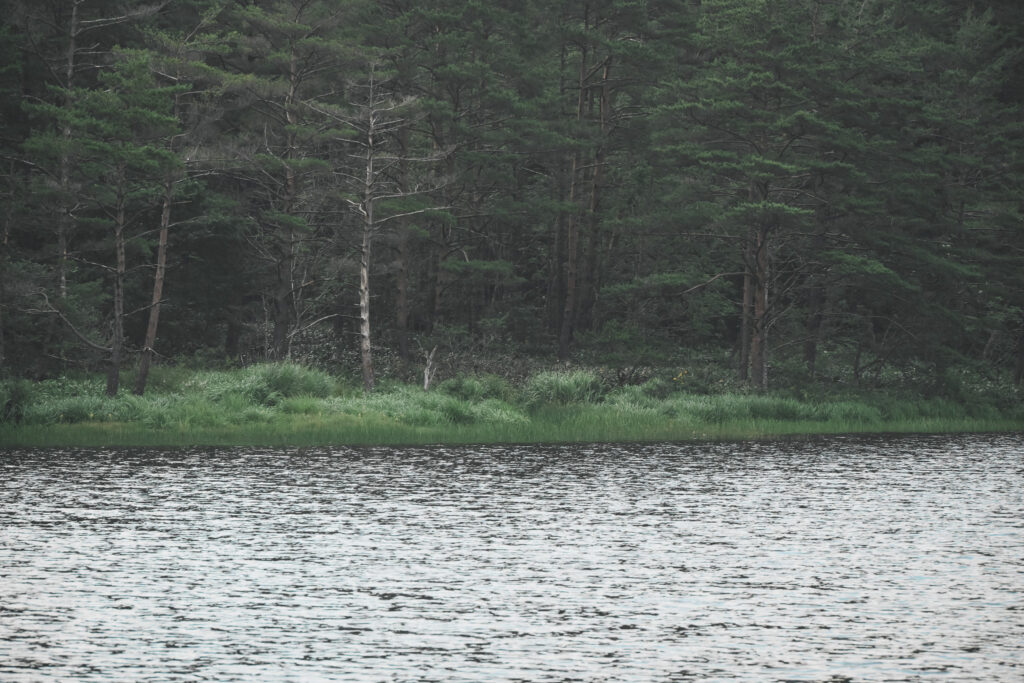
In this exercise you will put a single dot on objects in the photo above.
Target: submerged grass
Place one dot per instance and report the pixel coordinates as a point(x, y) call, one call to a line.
point(284, 404)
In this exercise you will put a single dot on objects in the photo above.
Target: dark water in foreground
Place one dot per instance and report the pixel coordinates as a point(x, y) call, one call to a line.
point(840, 559)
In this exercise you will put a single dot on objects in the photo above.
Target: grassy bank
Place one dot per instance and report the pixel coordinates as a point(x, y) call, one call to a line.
point(284, 404)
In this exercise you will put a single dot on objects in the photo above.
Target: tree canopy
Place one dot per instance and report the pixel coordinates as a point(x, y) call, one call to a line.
point(822, 189)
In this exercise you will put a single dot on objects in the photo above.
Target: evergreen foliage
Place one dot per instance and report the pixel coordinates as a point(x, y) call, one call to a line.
point(778, 195)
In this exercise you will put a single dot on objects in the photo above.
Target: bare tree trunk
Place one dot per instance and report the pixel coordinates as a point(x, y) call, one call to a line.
point(381, 117)
point(429, 369)
point(158, 290)
point(365, 347)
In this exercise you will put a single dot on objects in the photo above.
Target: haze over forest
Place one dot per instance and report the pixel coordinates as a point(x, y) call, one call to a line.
point(799, 190)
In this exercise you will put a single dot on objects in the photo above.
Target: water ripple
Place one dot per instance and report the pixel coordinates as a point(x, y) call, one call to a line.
point(833, 560)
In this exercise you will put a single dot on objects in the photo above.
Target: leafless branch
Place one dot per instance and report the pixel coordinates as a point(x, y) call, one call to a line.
point(52, 310)
point(315, 322)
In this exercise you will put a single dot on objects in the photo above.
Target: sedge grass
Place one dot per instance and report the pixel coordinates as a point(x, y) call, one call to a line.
point(280, 405)
point(579, 426)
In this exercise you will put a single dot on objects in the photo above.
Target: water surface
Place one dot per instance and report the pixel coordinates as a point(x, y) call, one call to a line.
point(839, 559)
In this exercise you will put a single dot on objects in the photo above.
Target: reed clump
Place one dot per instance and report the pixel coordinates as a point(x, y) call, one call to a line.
point(285, 403)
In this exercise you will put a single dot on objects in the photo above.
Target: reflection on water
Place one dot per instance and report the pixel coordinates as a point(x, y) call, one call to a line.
point(839, 559)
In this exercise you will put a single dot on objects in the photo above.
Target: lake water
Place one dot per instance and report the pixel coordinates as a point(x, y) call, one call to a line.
point(841, 559)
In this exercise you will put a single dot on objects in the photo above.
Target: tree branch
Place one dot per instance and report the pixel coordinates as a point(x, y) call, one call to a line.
point(51, 309)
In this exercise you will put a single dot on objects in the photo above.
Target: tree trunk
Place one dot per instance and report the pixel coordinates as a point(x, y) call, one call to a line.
point(588, 293)
point(747, 312)
point(368, 200)
point(232, 336)
point(65, 219)
point(3, 348)
point(158, 291)
point(117, 342)
point(402, 269)
point(429, 369)
point(569, 309)
point(4, 240)
point(282, 310)
point(572, 227)
point(285, 305)
point(815, 316)
point(365, 348)
point(1018, 370)
point(556, 285)
point(759, 326)
point(402, 296)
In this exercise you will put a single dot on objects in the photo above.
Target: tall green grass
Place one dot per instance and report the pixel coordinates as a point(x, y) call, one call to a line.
point(278, 404)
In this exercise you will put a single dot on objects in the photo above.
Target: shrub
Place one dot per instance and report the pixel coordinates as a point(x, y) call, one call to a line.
point(288, 379)
point(455, 411)
point(266, 384)
point(15, 397)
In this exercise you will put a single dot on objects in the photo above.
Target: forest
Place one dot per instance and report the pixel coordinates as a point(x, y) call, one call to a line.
point(790, 191)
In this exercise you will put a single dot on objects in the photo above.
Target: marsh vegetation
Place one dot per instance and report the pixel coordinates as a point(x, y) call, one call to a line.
point(282, 403)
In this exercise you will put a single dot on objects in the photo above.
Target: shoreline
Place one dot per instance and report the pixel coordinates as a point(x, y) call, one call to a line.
point(126, 435)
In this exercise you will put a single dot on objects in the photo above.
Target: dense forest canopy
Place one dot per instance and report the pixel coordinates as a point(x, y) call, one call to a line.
point(793, 188)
